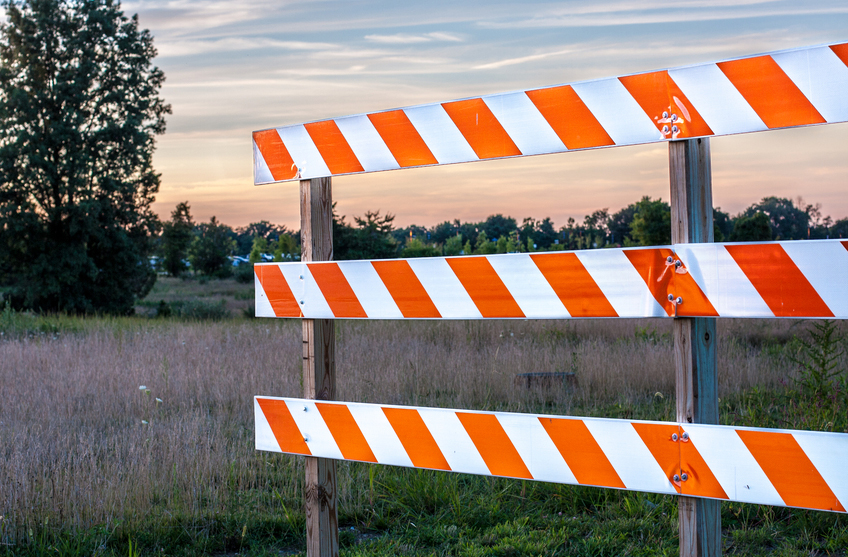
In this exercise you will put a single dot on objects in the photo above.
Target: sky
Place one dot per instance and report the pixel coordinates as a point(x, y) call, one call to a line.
point(235, 66)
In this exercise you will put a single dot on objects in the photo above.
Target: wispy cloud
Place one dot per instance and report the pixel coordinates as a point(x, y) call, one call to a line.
point(408, 38)
point(190, 47)
point(521, 60)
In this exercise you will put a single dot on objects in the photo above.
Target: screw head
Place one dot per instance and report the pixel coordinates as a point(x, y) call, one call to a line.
point(679, 300)
point(674, 437)
point(685, 436)
point(674, 117)
point(671, 297)
point(674, 128)
point(301, 302)
point(665, 114)
point(678, 263)
point(684, 476)
point(665, 129)
point(676, 478)
point(669, 259)
point(301, 277)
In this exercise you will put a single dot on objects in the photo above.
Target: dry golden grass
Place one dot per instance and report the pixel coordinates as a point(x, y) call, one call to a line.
point(74, 450)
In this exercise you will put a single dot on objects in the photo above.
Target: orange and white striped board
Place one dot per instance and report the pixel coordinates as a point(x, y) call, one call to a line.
point(784, 89)
point(801, 279)
point(773, 467)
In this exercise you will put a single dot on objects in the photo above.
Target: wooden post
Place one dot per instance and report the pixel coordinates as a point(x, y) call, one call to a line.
point(694, 338)
point(319, 370)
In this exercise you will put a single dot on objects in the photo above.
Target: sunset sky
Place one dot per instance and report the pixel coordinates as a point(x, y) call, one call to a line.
point(234, 66)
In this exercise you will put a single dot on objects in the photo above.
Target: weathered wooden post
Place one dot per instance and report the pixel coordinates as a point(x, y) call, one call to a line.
point(319, 370)
point(695, 337)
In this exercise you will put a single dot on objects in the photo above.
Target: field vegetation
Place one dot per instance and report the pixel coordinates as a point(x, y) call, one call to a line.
point(134, 436)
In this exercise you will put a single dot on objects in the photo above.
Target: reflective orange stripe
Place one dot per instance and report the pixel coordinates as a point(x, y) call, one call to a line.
point(405, 288)
point(494, 445)
point(277, 291)
point(402, 139)
point(345, 432)
point(841, 50)
point(336, 290)
point(481, 129)
point(283, 427)
point(789, 470)
point(657, 93)
point(485, 287)
point(680, 457)
point(845, 244)
point(416, 438)
point(275, 154)
point(770, 92)
point(570, 118)
point(784, 288)
point(333, 147)
point(576, 288)
point(581, 452)
point(663, 280)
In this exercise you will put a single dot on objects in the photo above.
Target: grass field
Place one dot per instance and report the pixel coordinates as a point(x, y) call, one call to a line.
point(91, 464)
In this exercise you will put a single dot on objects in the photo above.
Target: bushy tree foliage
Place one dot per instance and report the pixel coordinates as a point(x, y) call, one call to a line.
point(652, 222)
point(788, 222)
point(755, 228)
point(79, 110)
point(177, 235)
point(210, 250)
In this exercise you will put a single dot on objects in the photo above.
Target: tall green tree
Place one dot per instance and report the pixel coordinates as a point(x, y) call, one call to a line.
point(79, 110)
point(211, 248)
point(177, 235)
point(652, 222)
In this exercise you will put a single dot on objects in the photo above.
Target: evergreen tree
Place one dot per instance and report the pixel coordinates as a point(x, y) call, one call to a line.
point(176, 240)
point(79, 110)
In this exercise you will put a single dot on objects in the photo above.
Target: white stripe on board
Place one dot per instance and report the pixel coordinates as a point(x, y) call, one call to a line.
point(265, 440)
point(821, 76)
point(535, 448)
point(261, 172)
point(633, 462)
point(306, 290)
point(621, 283)
point(617, 111)
point(454, 442)
point(825, 265)
point(303, 152)
point(370, 291)
point(722, 281)
point(366, 143)
point(379, 434)
point(315, 432)
point(440, 134)
point(444, 289)
point(828, 453)
point(524, 123)
point(528, 286)
point(723, 108)
point(261, 303)
point(733, 465)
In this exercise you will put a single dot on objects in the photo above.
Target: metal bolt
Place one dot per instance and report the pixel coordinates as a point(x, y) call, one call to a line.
point(301, 277)
point(674, 437)
point(685, 436)
point(684, 476)
point(674, 117)
point(675, 129)
point(669, 259)
point(671, 297)
point(301, 302)
point(679, 300)
point(676, 478)
point(665, 114)
point(306, 439)
point(665, 129)
point(678, 263)
point(305, 409)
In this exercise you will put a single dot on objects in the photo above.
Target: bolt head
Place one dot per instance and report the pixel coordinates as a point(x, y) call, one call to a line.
point(679, 300)
point(676, 478)
point(685, 436)
point(674, 437)
point(684, 476)
point(671, 297)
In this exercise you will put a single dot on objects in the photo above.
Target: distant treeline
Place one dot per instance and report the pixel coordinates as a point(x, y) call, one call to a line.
point(215, 249)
